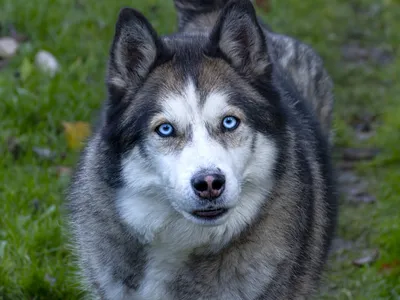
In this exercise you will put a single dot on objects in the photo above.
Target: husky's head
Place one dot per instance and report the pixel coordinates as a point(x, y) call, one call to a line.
point(195, 121)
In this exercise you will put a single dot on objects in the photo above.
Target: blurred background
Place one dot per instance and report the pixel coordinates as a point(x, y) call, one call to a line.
point(52, 67)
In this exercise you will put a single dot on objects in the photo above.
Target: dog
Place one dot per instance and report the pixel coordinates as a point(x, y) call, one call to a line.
point(209, 174)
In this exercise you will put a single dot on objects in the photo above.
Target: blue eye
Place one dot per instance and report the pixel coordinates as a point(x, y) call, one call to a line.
point(230, 123)
point(165, 130)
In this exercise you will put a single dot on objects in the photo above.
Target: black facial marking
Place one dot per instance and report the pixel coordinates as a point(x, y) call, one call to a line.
point(253, 143)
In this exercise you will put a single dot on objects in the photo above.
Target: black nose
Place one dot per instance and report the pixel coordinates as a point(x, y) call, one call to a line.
point(208, 185)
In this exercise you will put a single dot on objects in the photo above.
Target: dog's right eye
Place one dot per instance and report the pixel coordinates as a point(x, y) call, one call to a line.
point(165, 130)
point(230, 123)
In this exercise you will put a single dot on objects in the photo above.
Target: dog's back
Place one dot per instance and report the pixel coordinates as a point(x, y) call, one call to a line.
point(298, 61)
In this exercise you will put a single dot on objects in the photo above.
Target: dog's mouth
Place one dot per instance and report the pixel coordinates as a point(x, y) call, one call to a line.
point(210, 214)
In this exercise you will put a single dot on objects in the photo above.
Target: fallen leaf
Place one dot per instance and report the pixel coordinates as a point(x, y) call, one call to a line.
point(264, 5)
point(389, 266)
point(76, 133)
point(368, 259)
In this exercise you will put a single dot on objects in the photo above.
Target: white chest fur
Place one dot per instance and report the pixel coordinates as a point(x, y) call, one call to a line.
point(234, 278)
point(162, 266)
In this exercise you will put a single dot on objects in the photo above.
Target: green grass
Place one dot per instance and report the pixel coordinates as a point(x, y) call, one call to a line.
point(35, 261)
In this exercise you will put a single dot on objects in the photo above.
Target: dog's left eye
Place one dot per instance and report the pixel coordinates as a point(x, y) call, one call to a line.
point(230, 123)
point(165, 130)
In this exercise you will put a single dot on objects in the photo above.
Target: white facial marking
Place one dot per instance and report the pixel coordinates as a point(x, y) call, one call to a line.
point(181, 108)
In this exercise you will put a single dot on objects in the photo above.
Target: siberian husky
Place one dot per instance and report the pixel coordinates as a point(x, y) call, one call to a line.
point(209, 176)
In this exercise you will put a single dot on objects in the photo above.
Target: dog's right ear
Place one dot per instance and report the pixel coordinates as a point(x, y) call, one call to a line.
point(133, 52)
point(240, 38)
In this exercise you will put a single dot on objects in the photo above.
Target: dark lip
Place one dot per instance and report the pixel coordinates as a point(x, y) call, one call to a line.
point(209, 214)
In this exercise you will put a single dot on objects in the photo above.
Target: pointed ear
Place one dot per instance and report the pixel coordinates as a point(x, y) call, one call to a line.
point(240, 38)
point(134, 50)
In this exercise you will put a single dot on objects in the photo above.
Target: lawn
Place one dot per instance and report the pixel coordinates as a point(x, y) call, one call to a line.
point(359, 41)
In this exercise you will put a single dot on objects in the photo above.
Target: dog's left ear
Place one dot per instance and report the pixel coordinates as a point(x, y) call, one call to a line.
point(240, 38)
point(133, 52)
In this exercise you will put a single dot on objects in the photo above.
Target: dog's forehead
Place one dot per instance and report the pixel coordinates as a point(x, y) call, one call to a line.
point(196, 85)
point(192, 102)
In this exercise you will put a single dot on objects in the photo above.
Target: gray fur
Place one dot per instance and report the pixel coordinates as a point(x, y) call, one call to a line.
point(275, 244)
point(126, 68)
point(300, 62)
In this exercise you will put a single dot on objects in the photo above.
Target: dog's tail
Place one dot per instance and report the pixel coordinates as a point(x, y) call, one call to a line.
point(201, 15)
point(198, 15)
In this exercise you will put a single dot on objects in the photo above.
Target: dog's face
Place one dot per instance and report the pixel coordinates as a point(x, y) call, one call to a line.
point(196, 138)
point(199, 149)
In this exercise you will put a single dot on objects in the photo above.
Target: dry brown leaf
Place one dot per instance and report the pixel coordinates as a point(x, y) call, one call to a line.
point(388, 267)
point(264, 5)
point(76, 133)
